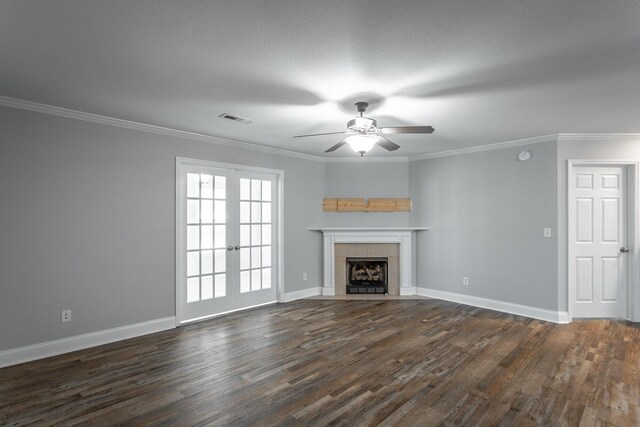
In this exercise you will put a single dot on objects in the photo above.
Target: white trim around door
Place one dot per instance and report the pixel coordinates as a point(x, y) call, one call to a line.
point(633, 262)
point(185, 164)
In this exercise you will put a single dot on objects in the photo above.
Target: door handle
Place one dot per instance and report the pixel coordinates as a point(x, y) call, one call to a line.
point(229, 248)
point(237, 248)
point(624, 249)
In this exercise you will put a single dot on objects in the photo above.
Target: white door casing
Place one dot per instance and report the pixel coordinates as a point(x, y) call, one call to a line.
point(228, 238)
point(598, 268)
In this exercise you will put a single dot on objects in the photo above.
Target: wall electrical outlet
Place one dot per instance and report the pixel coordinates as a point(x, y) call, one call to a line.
point(465, 281)
point(304, 276)
point(66, 316)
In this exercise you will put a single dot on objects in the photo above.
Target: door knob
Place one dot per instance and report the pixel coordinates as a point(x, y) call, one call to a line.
point(237, 248)
point(624, 249)
point(229, 248)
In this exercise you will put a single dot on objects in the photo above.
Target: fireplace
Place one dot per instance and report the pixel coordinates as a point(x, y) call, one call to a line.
point(398, 244)
point(367, 275)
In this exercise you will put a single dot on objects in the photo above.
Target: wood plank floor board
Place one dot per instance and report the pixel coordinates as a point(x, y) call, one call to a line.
point(345, 363)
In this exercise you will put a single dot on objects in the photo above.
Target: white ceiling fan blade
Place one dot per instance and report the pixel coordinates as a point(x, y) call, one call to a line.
point(386, 144)
point(335, 147)
point(407, 129)
point(319, 134)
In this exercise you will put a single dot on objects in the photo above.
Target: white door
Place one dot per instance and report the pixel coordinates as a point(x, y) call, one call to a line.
point(598, 239)
point(226, 237)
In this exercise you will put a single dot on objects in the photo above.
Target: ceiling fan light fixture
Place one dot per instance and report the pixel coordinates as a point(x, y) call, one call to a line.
point(361, 144)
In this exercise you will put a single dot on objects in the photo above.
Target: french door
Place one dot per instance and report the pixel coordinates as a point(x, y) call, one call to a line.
point(226, 235)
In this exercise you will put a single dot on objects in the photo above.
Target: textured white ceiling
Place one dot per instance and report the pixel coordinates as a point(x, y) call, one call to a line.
point(480, 72)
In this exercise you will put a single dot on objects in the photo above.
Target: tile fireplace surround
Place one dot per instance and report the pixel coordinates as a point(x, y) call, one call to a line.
point(392, 242)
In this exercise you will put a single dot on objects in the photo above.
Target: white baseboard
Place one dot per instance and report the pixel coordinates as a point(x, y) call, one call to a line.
point(328, 292)
point(506, 307)
point(408, 291)
point(79, 342)
point(305, 293)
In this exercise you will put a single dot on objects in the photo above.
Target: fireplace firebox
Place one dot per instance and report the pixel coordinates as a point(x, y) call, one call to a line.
point(367, 276)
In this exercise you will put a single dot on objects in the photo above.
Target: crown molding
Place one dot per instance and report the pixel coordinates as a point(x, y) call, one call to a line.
point(488, 147)
point(366, 159)
point(22, 104)
point(560, 137)
point(53, 110)
point(604, 137)
point(6, 101)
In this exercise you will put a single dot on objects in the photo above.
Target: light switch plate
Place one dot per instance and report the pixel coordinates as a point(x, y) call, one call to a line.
point(547, 232)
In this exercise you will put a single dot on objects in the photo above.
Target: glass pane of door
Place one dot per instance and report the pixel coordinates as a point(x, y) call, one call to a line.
point(206, 236)
point(255, 226)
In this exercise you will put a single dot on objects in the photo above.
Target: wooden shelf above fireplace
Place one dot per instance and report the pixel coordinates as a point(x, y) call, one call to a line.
point(377, 204)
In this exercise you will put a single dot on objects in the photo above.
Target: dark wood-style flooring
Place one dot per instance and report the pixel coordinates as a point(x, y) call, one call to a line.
point(351, 363)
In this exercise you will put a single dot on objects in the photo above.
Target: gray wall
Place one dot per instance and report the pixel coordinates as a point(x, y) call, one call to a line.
point(88, 219)
point(367, 179)
point(487, 211)
point(588, 149)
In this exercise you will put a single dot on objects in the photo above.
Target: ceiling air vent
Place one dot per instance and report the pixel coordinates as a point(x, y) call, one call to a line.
point(235, 118)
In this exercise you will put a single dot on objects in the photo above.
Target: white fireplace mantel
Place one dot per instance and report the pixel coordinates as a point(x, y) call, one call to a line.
point(404, 236)
point(323, 229)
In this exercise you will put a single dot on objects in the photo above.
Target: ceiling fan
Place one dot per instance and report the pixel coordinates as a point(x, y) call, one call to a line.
point(364, 133)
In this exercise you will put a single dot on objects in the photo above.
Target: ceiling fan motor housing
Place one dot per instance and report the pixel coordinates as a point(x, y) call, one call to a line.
point(361, 106)
point(361, 124)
